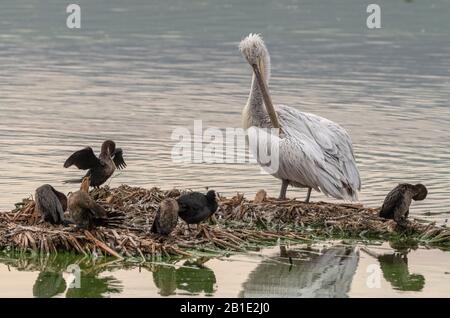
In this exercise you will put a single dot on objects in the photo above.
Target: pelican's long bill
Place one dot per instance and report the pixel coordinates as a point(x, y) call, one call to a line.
point(266, 96)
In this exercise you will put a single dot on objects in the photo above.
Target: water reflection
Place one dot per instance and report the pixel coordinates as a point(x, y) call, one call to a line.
point(310, 272)
point(193, 277)
point(49, 284)
point(94, 286)
point(395, 270)
point(53, 279)
point(331, 270)
point(394, 266)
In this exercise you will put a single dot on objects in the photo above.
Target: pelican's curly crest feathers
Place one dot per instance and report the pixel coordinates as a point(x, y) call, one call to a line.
point(252, 48)
point(255, 52)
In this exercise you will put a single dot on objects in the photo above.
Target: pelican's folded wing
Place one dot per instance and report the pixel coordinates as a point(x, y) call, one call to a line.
point(301, 161)
point(83, 159)
point(118, 159)
point(334, 141)
point(307, 165)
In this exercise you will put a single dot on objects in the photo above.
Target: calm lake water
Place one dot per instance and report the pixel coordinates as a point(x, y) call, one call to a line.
point(138, 69)
point(331, 270)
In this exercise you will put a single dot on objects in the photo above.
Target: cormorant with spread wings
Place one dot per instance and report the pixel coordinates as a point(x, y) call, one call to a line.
point(101, 168)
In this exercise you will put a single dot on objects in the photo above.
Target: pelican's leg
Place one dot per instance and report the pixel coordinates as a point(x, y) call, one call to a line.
point(284, 186)
point(308, 195)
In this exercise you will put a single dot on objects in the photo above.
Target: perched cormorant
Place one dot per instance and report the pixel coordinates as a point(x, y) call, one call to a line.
point(100, 168)
point(196, 207)
point(397, 202)
point(166, 218)
point(83, 210)
point(51, 204)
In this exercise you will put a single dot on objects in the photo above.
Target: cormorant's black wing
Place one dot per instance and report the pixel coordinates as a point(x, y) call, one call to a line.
point(97, 211)
point(83, 159)
point(193, 201)
point(49, 204)
point(392, 201)
point(62, 198)
point(118, 159)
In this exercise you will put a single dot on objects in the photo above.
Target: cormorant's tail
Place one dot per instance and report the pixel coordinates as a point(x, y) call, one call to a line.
point(66, 222)
point(73, 180)
point(113, 219)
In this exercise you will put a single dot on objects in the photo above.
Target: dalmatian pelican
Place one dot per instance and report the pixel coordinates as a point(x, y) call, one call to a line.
point(314, 152)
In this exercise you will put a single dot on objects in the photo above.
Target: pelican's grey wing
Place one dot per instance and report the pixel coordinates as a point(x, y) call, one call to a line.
point(333, 140)
point(118, 159)
point(302, 161)
point(83, 159)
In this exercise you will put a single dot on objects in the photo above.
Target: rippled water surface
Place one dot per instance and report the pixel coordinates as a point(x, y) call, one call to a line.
point(138, 69)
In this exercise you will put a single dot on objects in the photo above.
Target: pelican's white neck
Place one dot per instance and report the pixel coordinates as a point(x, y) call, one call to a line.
point(255, 52)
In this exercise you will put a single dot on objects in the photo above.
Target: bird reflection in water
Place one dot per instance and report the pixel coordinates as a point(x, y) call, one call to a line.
point(94, 286)
point(192, 277)
point(51, 280)
point(310, 272)
point(395, 269)
point(49, 284)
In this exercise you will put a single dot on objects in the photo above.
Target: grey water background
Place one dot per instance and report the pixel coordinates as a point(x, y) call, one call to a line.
point(138, 69)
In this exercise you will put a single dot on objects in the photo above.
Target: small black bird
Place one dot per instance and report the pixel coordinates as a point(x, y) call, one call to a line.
point(101, 168)
point(397, 202)
point(51, 204)
point(166, 218)
point(196, 207)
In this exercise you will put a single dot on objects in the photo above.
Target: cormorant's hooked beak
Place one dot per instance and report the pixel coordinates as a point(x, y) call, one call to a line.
point(265, 93)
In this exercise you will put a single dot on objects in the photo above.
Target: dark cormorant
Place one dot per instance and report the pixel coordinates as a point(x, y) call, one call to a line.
point(83, 210)
point(166, 218)
point(196, 207)
point(397, 202)
point(100, 168)
point(51, 204)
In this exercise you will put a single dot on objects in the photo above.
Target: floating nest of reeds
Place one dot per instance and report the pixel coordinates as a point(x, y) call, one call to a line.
point(241, 225)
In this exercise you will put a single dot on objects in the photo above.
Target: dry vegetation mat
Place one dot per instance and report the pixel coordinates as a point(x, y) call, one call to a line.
point(241, 225)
